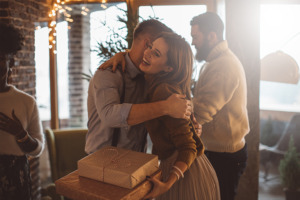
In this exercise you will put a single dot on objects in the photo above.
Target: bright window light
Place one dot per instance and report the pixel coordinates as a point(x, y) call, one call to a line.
point(280, 30)
point(42, 72)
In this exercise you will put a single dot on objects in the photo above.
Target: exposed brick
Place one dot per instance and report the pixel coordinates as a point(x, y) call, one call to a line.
point(3, 4)
point(3, 13)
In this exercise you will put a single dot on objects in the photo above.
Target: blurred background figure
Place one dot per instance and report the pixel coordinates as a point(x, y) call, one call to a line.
point(20, 127)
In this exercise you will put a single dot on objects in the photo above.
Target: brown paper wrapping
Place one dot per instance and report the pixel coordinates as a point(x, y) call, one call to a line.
point(117, 166)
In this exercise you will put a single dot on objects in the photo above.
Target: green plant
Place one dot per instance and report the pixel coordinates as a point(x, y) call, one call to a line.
point(116, 42)
point(289, 168)
point(87, 76)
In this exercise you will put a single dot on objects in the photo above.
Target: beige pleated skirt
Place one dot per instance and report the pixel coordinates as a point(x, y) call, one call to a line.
point(200, 181)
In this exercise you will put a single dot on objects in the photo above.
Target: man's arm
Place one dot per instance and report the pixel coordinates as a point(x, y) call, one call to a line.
point(175, 106)
point(111, 112)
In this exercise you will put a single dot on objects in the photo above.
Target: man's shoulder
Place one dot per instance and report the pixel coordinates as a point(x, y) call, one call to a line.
point(227, 61)
point(107, 78)
point(107, 72)
point(107, 75)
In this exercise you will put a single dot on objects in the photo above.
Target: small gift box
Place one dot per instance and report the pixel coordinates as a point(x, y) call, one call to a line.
point(117, 166)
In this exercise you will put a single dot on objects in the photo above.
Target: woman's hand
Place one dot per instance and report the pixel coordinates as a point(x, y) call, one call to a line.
point(114, 61)
point(159, 188)
point(12, 126)
point(197, 126)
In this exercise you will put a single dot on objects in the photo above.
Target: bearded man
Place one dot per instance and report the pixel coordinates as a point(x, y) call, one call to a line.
point(220, 102)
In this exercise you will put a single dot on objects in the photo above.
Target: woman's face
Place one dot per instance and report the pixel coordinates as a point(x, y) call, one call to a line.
point(155, 58)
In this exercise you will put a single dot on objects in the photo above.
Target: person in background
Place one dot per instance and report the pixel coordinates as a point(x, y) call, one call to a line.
point(20, 126)
point(220, 102)
point(187, 173)
point(116, 101)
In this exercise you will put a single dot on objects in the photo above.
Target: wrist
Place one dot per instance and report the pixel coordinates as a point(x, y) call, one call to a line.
point(23, 136)
point(164, 107)
point(171, 180)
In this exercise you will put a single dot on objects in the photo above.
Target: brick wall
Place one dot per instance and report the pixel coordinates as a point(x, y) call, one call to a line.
point(23, 14)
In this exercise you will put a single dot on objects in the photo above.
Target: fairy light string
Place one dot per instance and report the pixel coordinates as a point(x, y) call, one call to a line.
point(63, 9)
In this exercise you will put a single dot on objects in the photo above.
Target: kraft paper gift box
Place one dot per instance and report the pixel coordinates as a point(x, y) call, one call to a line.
point(117, 166)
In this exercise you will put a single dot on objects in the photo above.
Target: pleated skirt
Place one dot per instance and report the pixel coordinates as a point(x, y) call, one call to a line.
point(200, 181)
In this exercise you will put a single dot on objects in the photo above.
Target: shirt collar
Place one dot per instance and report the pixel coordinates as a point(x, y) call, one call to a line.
point(132, 70)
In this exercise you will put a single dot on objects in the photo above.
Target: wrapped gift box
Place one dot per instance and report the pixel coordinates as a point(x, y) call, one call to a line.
point(117, 166)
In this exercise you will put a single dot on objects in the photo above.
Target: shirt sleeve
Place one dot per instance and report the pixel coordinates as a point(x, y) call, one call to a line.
point(214, 90)
point(108, 88)
point(35, 130)
point(178, 129)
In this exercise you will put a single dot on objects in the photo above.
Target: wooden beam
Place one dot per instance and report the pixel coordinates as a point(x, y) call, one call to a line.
point(53, 77)
point(243, 35)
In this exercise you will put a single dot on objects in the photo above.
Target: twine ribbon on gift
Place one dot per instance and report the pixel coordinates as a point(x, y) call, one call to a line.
point(115, 160)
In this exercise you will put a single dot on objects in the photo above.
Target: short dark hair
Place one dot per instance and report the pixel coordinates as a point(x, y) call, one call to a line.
point(152, 27)
point(209, 22)
point(11, 40)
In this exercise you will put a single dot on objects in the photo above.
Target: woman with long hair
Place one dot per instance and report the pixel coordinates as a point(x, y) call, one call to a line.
point(186, 172)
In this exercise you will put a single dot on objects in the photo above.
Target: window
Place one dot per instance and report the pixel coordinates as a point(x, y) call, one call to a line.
point(104, 25)
point(62, 70)
point(42, 72)
point(280, 30)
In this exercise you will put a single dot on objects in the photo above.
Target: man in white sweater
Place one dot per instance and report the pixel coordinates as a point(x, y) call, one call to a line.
point(220, 102)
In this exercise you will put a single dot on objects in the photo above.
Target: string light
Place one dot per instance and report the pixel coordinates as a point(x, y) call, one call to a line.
point(59, 7)
point(83, 13)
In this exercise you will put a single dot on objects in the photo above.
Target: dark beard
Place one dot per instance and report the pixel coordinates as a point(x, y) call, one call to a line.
point(203, 51)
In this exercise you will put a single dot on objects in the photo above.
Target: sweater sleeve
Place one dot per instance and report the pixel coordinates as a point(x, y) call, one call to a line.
point(178, 129)
point(214, 90)
point(35, 130)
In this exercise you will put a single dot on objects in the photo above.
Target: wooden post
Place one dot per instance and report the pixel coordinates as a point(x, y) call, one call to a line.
point(53, 75)
point(242, 33)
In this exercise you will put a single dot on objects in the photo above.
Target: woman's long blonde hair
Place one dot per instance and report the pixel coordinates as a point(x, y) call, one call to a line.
point(180, 57)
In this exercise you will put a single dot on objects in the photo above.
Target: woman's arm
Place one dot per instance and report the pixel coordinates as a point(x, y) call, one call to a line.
point(160, 187)
point(114, 61)
point(182, 138)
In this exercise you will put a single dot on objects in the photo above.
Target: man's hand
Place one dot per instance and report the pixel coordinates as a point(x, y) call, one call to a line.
point(178, 106)
point(114, 61)
point(198, 127)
